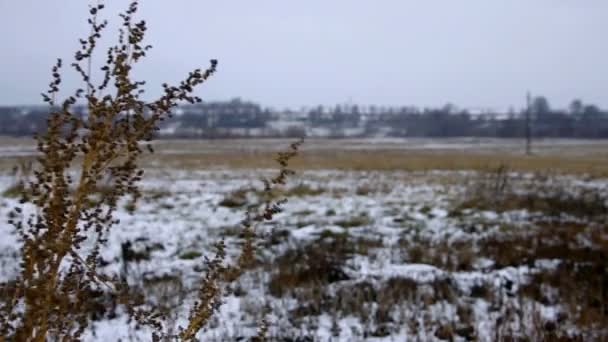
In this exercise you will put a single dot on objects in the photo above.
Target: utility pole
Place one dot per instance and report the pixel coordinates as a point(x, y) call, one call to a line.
point(528, 133)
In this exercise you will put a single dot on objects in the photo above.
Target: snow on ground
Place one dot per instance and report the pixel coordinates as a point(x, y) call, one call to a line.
point(382, 214)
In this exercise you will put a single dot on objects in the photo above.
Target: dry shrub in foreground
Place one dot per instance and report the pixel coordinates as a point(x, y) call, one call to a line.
point(63, 230)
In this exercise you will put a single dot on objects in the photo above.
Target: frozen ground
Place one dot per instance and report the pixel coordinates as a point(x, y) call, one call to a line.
point(378, 256)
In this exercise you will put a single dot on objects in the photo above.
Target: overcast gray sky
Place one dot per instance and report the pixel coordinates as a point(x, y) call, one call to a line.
point(473, 53)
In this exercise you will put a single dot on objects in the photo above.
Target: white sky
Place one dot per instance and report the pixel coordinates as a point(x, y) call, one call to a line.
point(473, 53)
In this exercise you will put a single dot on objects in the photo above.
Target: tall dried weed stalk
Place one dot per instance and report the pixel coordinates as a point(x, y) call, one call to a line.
point(63, 229)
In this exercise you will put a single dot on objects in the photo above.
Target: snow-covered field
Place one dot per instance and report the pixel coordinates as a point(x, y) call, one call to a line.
point(378, 256)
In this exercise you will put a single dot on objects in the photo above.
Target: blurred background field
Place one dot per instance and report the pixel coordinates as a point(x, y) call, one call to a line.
point(566, 156)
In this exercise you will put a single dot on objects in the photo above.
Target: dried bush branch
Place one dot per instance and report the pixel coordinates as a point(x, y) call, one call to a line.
point(55, 280)
point(63, 230)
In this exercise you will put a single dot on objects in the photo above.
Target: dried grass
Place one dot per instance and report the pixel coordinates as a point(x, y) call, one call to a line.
point(58, 291)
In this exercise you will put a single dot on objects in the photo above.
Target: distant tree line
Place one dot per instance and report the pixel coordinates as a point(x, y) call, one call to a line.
point(238, 118)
